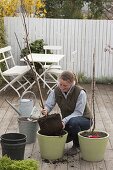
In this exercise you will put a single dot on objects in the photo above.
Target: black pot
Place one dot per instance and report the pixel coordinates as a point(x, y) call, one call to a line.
point(13, 145)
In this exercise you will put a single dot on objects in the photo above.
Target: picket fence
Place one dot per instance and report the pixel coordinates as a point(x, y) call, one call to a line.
point(85, 36)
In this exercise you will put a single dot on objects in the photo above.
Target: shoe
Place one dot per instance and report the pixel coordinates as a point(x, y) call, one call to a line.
point(73, 151)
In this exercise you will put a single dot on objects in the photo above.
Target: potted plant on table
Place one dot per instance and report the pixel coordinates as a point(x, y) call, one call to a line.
point(93, 142)
point(35, 47)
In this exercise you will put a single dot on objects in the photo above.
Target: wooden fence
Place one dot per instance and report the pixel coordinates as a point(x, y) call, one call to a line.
point(71, 34)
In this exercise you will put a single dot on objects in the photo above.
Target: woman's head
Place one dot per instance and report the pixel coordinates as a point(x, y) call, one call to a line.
point(66, 80)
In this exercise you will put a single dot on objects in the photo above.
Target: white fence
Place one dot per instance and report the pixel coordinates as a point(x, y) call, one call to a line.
point(71, 34)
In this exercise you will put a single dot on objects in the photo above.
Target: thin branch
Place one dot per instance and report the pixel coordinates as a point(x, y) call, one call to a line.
point(93, 91)
point(33, 71)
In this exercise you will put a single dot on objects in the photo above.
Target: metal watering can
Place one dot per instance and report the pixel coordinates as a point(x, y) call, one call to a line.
point(26, 106)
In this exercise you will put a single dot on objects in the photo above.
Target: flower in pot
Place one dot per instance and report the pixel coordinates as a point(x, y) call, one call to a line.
point(93, 142)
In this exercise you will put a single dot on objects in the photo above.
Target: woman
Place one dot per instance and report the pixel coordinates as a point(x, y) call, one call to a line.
point(72, 101)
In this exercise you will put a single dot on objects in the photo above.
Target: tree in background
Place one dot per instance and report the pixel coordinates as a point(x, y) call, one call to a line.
point(64, 8)
point(8, 7)
point(109, 10)
point(95, 9)
point(40, 9)
point(72, 9)
point(2, 43)
point(35, 8)
point(2, 33)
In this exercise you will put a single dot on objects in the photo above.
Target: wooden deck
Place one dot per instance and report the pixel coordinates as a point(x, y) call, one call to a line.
point(104, 117)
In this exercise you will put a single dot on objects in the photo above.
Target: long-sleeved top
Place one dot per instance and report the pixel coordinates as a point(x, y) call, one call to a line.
point(79, 108)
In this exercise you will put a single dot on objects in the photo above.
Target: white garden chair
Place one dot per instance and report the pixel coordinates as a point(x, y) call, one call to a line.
point(13, 75)
point(56, 72)
point(52, 48)
point(56, 68)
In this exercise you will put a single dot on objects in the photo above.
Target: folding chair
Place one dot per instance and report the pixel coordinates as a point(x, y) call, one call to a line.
point(54, 73)
point(52, 49)
point(55, 68)
point(12, 74)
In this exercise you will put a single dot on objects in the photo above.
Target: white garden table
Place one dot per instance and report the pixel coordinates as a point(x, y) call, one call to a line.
point(42, 59)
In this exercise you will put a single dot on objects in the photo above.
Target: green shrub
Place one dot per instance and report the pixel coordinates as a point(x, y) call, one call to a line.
point(2, 43)
point(28, 164)
point(5, 162)
point(2, 34)
point(102, 80)
point(36, 47)
point(83, 79)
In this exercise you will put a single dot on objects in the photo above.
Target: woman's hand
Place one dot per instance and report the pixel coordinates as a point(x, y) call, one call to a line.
point(44, 111)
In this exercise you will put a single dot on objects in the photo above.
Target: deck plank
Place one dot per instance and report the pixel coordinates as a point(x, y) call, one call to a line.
point(104, 121)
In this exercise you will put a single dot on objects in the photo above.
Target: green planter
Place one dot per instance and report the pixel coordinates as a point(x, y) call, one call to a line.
point(93, 149)
point(51, 147)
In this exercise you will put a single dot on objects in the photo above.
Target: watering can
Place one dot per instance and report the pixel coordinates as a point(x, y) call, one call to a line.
point(26, 106)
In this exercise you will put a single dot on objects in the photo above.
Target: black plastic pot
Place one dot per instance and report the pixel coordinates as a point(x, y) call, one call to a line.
point(13, 145)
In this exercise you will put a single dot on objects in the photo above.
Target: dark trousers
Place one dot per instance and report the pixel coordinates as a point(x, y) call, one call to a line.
point(75, 125)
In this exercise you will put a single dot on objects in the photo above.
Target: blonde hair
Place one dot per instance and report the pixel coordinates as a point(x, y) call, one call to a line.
point(68, 76)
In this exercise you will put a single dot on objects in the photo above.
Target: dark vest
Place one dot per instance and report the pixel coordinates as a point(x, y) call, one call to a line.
point(67, 106)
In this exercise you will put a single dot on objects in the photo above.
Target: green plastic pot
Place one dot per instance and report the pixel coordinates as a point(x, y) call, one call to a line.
point(51, 147)
point(93, 149)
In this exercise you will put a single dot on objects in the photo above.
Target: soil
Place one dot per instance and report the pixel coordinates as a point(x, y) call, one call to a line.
point(70, 160)
point(94, 134)
point(51, 125)
point(56, 161)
